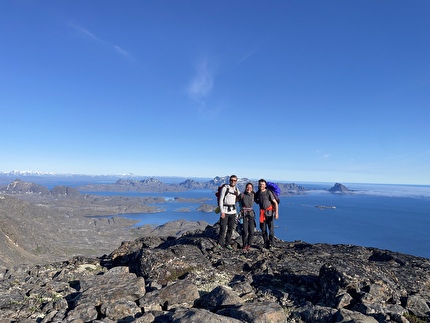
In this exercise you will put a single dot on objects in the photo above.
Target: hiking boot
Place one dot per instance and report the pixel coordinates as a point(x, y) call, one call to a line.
point(248, 247)
point(219, 246)
point(229, 247)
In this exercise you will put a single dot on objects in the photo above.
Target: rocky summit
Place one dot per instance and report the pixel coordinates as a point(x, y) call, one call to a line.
point(188, 279)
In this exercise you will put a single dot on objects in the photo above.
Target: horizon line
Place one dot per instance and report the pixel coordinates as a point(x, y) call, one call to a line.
point(131, 175)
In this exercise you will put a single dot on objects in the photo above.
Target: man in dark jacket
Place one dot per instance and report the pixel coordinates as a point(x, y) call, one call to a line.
point(268, 212)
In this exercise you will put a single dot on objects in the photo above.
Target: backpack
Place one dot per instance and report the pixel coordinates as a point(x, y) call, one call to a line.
point(218, 193)
point(275, 190)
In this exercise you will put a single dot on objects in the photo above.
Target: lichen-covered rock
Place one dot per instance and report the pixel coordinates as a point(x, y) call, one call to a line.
point(346, 316)
point(201, 315)
point(179, 294)
point(265, 311)
point(188, 279)
point(220, 297)
point(418, 306)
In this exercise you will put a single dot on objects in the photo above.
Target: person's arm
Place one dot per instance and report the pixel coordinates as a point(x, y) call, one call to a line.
point(238, 198)
point(276, 208)
point(275, 204)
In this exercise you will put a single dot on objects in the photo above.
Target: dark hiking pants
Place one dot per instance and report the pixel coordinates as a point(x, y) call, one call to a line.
point(248, 228)
point(268, 225)
point(226, 224)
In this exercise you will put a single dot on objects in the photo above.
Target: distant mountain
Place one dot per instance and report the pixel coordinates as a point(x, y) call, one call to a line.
point(291, 188)
point(339, 188)
point(28, 188)
point(21, 187)
point(18, 173)
point(27, 173)
point(43, 177)
point(154, 185)
point(130, 182)
point(131, 185)
point(286, 188)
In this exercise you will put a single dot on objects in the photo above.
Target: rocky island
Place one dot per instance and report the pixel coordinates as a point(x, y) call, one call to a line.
point(339, 188)
point(325, 207)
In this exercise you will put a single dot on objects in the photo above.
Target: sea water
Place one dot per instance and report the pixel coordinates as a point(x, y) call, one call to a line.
point(395, 223)
point(393, 217)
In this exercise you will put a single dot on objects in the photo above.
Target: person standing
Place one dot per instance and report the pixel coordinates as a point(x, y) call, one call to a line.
point(268, 212)
point(227, 204)
point(248, 215)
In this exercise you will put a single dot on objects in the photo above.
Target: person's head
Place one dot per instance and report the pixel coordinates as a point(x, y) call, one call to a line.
point(249, 187)
point(262, 184)
point(233, 180)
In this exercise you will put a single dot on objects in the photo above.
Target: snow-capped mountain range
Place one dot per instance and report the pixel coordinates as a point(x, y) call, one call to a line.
point(36, 173)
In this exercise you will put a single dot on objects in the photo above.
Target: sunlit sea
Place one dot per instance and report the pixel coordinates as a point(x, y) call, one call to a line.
point(393, 217)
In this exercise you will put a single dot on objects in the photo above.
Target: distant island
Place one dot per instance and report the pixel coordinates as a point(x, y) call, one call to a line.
point(339, 188)
point(324, 207)
point(155, 185)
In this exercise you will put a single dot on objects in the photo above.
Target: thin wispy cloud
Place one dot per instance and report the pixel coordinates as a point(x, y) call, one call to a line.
point(86, 33)
point(407, 158)
point(246, 56)
point(322, 155)
point(201, 83)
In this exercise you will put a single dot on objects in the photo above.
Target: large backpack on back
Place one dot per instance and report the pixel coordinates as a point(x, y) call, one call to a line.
point(275, 190)
point(218, 192)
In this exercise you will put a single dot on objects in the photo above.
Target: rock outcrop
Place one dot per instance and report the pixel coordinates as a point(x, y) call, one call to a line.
point(339, 188)
point(188, 279)
point(21, 187)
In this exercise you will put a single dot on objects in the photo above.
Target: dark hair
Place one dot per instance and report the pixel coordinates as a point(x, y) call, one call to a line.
point(249, 183)
point(262, 181)
point(233, 176)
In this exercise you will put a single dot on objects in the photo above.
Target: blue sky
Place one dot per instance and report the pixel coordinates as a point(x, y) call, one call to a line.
point(322, 91)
